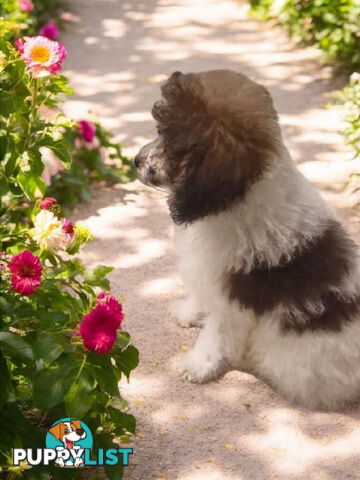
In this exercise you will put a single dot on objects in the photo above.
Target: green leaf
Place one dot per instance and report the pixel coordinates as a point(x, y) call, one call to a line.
point(53, 320)
point(52, 384)
point(4, 307)
point(17, 429)
point(4, 186)
point(97, 274)
point(4, 381)
point(123, 340)
point(124, 422)
point(61, 149)
point(16, 348)
point(47, 347)
point(60, 85)
point(31, 184)
point(103, 371)
point(80, 397)
point(127, 360)
point(10, 161)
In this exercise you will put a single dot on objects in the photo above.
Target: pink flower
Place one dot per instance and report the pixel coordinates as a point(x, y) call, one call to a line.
point(98, 328)
point(114, 307)
point(67, 226)
point(41, 55)
point(97, 338)
point(26, 5)
point(50, 30)
point(25, 271)
point(47, 203)
point(20, 45)
point(87, 130)
point(93, 145)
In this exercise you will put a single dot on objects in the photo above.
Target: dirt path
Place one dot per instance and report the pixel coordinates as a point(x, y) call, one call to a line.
point(236, 428)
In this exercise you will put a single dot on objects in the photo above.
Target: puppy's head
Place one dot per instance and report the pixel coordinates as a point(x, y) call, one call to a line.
point(218, 132)
point(68, 432)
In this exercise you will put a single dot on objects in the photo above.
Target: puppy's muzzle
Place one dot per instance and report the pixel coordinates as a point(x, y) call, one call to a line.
point(149, 163)
point(137, 160)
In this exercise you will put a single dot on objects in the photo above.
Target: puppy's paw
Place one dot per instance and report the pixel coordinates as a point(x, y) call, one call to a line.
point(198, 367)
point(60, 462)
point(185, 313)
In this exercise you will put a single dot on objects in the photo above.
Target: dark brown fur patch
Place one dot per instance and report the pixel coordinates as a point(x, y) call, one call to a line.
point(307, 278)
point(337, 311)
point(219, 131)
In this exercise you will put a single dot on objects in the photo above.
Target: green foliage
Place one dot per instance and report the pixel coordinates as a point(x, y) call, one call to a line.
point(332, 25)
point(28, 23)
point(23, 130)
point(349, 107)
point(100, 160)
point(84, 162)
point(46, 373)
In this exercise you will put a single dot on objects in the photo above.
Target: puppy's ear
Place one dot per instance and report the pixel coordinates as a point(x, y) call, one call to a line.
point(211, 176)
point(56, 430)
point(76, 423)
point(216, 147)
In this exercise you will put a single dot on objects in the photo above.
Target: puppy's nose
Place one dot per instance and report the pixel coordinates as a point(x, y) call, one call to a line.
point(80, 431)
point(137, 161)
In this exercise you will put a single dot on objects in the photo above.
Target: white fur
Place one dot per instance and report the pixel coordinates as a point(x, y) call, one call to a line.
point(318, 369)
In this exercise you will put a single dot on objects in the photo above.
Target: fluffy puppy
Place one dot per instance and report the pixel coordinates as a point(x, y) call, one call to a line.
point(261, 254)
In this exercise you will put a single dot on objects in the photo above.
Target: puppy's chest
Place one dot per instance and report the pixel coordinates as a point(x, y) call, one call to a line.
point(201, 246)
point(200, 261)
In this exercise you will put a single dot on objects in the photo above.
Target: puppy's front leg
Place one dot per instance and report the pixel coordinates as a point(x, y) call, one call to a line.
point(186, 312)
point(206, 360)
point(221, 344)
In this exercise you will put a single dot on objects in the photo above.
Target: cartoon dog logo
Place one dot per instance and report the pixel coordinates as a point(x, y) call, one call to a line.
point(68, 433)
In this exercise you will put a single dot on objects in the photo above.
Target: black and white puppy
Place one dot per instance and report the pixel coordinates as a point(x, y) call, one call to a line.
point(261, 254)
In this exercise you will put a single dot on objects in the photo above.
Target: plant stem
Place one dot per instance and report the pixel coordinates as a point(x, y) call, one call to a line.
point(81, 368)
point(32, 112)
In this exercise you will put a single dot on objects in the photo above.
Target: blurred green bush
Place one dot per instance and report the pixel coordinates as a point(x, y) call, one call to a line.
point(332, 25)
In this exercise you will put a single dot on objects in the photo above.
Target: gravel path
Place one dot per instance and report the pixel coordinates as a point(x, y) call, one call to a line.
point(236, 428)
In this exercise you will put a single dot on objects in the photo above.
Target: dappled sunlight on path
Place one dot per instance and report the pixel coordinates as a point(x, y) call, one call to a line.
point(237, 427)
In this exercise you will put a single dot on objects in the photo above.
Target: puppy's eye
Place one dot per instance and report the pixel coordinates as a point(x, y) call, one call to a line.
point(73, 429)
point(66, 430)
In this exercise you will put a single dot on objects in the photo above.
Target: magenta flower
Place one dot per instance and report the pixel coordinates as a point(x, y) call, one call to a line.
point(87, 130)
point(67, 226)
point(114, 307)
point(25, 271)
point(47, 203)
point(20, 45)
point(97, 338)
point(26, 5)
point(98, 328)
point(41, 55)
point(50, 30)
